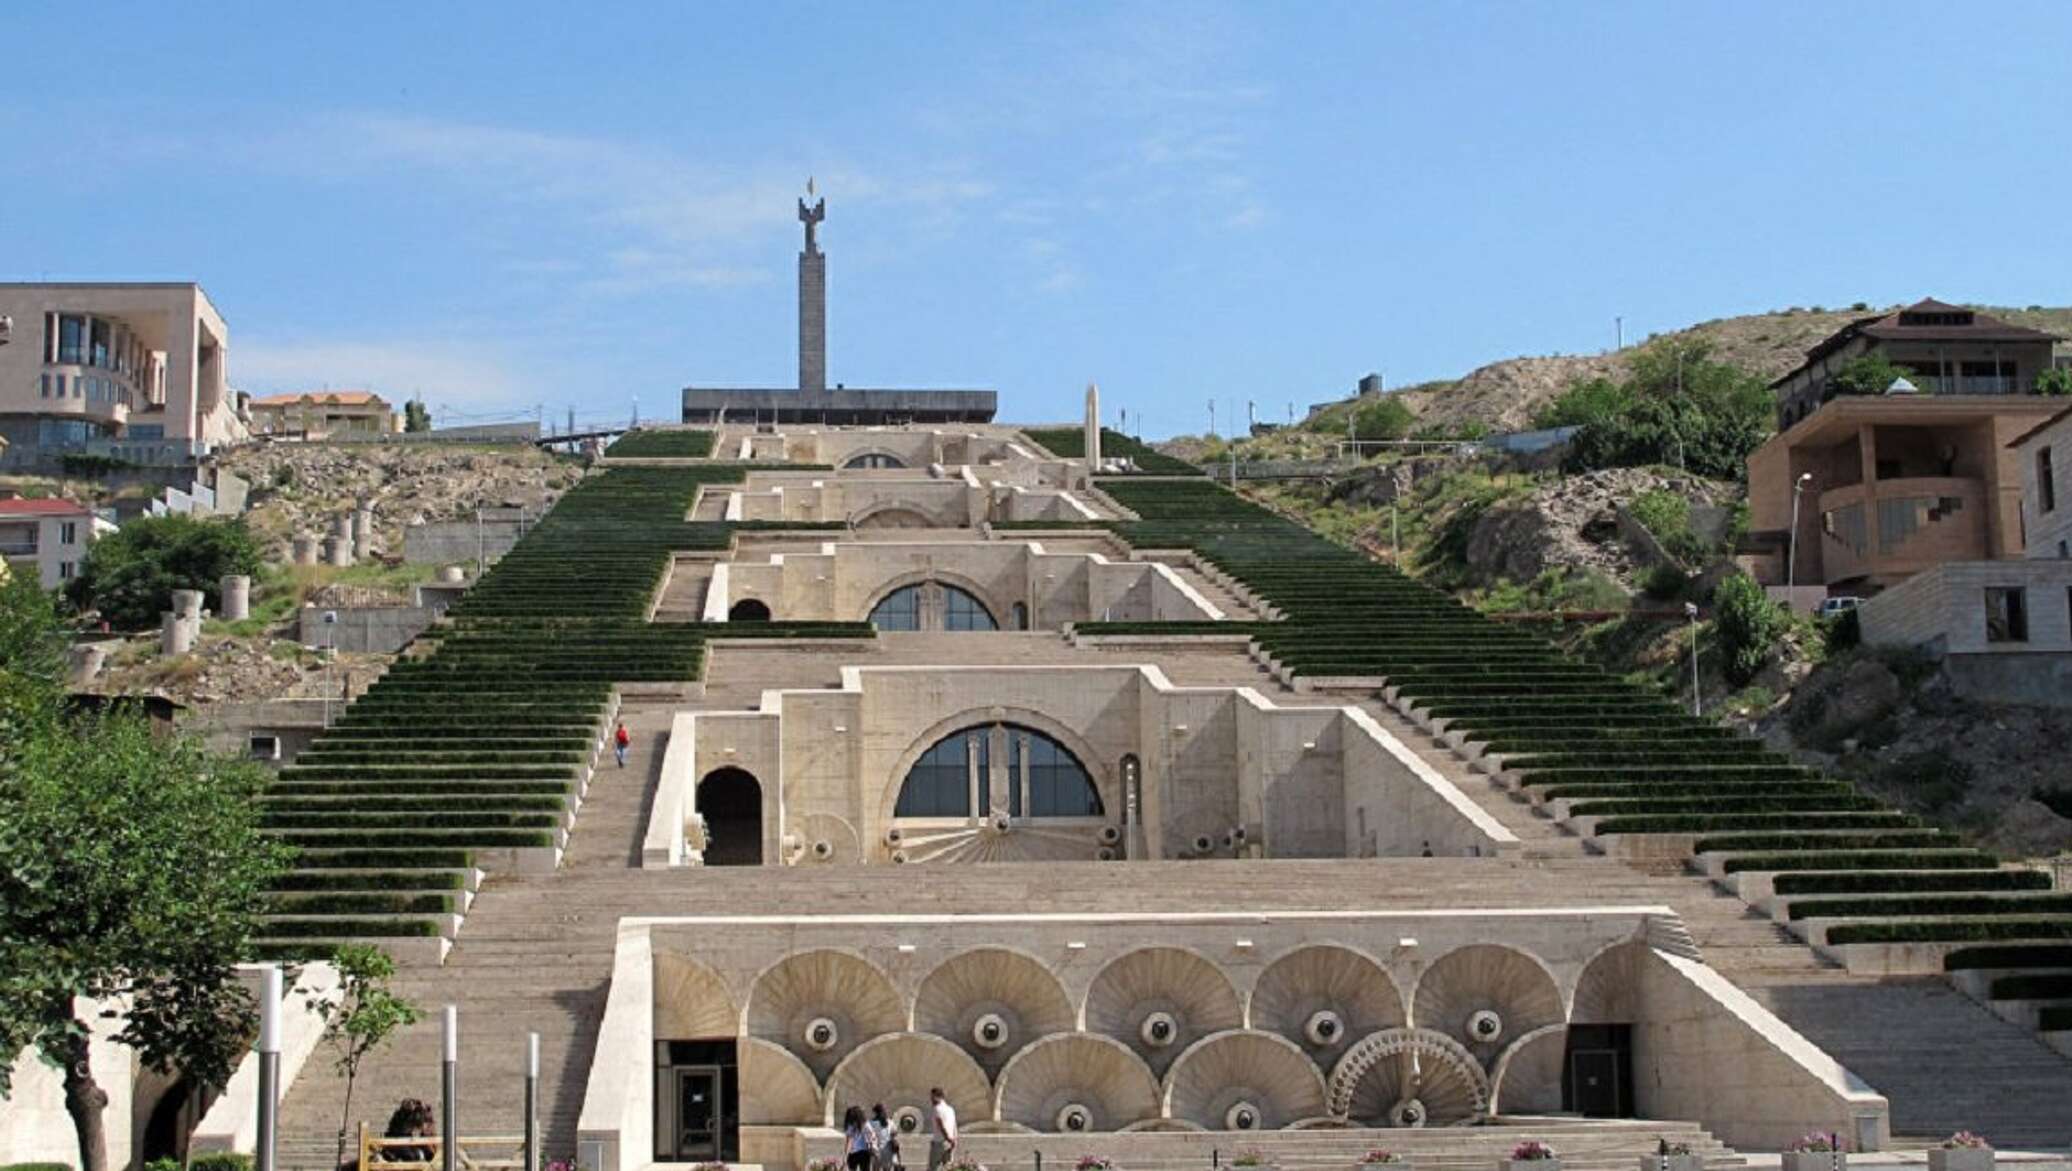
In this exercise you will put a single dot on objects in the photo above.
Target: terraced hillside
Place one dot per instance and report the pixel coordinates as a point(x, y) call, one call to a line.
point(475, 755)
point(1070, 443)
point(1614, 757)
point(662, 442)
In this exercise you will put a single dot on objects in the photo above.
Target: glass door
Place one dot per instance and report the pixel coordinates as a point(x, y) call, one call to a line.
point(700, 1118)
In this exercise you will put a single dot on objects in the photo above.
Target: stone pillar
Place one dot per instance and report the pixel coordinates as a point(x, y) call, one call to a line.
point(1093, 427)
point(237, 597)
point(187, 603)
point(812, 320)
point(363, 530)
point(175, 635)
point(339, 549)
point(304, 549)
point(83, 662)
point(452, 575)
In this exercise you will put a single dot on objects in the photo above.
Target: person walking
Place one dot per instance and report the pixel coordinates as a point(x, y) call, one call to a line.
point(942, 1130)
point(621, 740)
point(856, 1140)
point(884, 1140)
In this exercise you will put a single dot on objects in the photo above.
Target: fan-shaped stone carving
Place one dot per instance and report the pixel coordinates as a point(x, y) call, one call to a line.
point(1485, 996)
point(691, 1001)
point(1077, 1083)
point(776, 1087)
point(821, 1005)
point(1160, 1000)
point(1409, 1077)
point(823, 838)
point(1018, 842)
point(898, 1070)
point(1324, 998)
point(1608, 990)
point(990, 1002)
point(1527, 1075)
point(1244, 1080)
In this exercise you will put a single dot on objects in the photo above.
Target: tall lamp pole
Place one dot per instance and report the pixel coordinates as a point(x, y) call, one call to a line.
point(269, 1068)
point(449, 1091)
point(1791, 559)
point(1697, 692)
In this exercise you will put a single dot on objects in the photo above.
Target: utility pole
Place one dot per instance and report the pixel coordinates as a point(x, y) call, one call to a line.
point(1251, 415)
point(1212, 418)
point(1618, 334)
point(1791, 559)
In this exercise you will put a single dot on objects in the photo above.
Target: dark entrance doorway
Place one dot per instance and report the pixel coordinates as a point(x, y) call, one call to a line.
point(731, 802)
point(748, 610)
point(697, 1102)
point(1597, 1073)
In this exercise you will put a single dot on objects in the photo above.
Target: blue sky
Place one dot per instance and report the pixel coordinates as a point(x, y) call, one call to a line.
point(503, 205)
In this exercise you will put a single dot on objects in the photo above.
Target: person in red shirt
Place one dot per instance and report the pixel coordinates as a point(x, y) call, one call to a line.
point(620, 740)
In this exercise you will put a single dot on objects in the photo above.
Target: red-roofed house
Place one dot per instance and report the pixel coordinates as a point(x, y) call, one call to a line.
point(48, 537)
point(320, 414)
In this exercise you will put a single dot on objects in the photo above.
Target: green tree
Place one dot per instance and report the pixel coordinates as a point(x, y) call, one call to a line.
point(366, 1016)
point(1749, 625)
point(130, 575)
point(131, 866)
point(1676, 405)
point(416, 417)
point(1384, 418)
point(2057, 381)
point(1867, 374)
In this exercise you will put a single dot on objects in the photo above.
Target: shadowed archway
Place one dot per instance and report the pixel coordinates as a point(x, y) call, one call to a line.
point(731, 801)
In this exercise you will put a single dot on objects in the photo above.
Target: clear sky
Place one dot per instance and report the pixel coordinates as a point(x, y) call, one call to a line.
point(575, 204)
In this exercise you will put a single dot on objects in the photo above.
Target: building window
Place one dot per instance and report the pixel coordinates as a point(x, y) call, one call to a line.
point(931, 605)
point(1042, 776)
point(68, 532)
point(146, 431)
point(2007, 614)
point(2046, 483)
point(874, 459)
point(46, 386)
point(65, 570)
point(71, 339)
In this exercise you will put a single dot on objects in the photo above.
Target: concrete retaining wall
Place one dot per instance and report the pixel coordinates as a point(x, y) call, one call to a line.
point(450, 542)
point(366, 629)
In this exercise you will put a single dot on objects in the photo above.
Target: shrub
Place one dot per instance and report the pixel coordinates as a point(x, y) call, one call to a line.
point(130, 575)
point(220, 1161)
point(68, 1167)
point(1749, 624)
point(1844, 631)
point(1666, 582)
point(1385, 418)
point(1676, 406)
point(1869, 374)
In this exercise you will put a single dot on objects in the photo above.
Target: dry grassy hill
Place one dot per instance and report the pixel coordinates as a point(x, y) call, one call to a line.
point(1504, 395)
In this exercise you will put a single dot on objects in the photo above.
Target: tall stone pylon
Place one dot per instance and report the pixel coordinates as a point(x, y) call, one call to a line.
point(1093, 427)
point(812, 298)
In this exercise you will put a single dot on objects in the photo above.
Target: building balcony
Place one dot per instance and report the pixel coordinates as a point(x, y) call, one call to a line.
point(14, 548)
point(1910, 524)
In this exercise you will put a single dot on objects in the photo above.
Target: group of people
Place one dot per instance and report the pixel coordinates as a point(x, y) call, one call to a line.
point(871, 1142)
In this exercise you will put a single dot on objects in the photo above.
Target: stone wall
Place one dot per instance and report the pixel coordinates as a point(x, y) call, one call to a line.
point(452, 542)
point(1944, 608)
point(378, 630)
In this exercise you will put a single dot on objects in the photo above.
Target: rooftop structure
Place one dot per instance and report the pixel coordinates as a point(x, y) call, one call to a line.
point(1950, 350)
point(318, 414)
point(812, 401)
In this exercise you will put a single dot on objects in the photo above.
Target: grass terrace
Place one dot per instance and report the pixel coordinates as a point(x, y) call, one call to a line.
point(662, 443)
point(1070, 443)
point(457, 757)
point(1595, 745)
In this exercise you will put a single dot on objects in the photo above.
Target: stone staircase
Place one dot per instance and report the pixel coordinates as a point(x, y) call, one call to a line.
point(1944, 1061)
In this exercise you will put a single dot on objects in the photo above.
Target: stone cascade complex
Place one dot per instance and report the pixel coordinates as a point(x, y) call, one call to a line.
point(1312, 858)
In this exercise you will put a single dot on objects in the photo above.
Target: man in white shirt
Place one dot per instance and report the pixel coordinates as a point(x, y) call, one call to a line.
point(942, 1130)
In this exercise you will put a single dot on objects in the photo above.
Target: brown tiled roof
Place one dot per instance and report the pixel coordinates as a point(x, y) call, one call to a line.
point(1984, 327)
point(41, 508)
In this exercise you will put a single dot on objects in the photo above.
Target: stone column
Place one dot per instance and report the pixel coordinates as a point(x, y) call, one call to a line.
point(304, 549)
point(187, 603)
point(237, 597)
point(339, 549)
point(812, 320)
point(83, 663)
point(175, 636)
point(363, 530)
point(1093, 427)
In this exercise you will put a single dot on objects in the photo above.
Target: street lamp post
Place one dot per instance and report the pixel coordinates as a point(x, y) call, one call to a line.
point(1697, 692)
point(1791, 559)
point(330, 660)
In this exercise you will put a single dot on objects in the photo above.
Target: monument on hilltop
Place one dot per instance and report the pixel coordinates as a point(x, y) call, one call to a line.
point(812, 298)
point(811, 401)
point(1093, 426)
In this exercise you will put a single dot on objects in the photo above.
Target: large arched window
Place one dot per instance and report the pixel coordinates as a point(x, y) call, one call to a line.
point(1004, 767)
point(875, 459)
point(931, 605)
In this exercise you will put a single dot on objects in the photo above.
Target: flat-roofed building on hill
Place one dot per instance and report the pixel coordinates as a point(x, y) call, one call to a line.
point(95, 365)
point(1948, 350)
point(48, 538)
point(1889, 485)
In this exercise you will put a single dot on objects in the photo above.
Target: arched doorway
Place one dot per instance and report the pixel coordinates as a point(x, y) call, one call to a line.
point(748, 610)
point(894, 517)
point(731, 801)
point(1020, 616)
point(931, 605)
point(998, 768)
